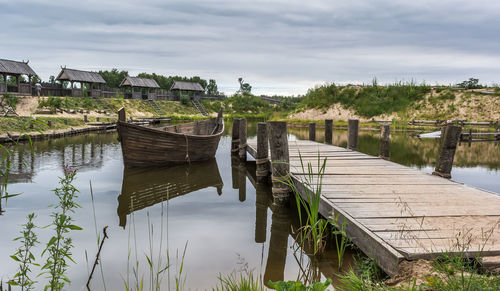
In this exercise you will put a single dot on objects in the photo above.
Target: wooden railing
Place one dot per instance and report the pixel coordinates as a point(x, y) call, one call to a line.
point(24, 89)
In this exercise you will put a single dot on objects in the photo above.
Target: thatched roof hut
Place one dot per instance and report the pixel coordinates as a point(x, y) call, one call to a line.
point(72, 75)
point(94, 80)
point(15, 69)
point(139, 82)
point(187, 86)
point(140, 88)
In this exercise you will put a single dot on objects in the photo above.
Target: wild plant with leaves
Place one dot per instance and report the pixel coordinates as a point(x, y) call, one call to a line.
point(342, 241)
point(24, 255)
point(59, 246)
point(313, 231)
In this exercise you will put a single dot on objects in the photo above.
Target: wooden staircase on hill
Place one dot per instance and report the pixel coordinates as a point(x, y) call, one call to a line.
point(199, 107)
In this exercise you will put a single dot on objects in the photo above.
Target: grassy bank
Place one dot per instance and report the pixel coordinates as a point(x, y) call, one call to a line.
point(30, 124)
point(401, 102)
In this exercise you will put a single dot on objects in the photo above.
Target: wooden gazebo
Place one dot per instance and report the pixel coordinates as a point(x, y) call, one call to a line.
point(93, 79)
point(15, 69)
point(190, 89)
point(140, 88)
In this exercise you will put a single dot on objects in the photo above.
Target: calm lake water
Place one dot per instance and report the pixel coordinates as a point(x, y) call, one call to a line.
point(211, 209)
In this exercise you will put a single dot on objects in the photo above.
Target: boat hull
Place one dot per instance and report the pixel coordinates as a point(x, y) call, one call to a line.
point(142, 146)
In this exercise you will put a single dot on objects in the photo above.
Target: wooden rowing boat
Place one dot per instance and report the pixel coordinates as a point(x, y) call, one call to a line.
point(168, 145)
point(144, 187)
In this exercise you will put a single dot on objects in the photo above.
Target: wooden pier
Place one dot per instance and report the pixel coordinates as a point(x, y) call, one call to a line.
point(394, 212)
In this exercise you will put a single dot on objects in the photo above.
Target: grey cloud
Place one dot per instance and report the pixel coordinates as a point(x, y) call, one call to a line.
point(278, 46)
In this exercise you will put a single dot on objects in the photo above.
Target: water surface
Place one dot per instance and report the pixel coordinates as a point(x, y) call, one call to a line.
point(211, 209)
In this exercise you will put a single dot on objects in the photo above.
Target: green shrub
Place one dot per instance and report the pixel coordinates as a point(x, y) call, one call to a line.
point(367, 101)
point(184, 100)
point(447, 96)
point(51, 102)
point(11, 100)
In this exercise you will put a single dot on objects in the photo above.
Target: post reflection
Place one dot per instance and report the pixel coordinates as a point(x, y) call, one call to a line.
point(278, 245)
point(144, 187)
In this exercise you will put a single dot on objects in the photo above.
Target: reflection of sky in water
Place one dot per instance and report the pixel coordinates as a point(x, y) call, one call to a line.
point(220, 230)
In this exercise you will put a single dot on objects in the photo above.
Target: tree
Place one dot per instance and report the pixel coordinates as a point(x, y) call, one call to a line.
point(35, 80)
point(52, 80)
point(245, 88)
point(114, 77)
point(472, 83)
point(212, 87)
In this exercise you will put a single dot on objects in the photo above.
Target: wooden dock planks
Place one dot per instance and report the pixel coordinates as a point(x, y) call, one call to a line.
point(395, 212)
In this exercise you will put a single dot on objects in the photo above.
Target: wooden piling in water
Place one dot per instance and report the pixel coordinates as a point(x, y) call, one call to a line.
point(312, 131)
point(280, 160)
point(352, 134)
point(384, 141)
point(328, 131)
point(450, 135)
point(243, 139)
point(235, 141)
point(262, 158)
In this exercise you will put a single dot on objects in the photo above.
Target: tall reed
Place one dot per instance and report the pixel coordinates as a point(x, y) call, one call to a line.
point(313, 230)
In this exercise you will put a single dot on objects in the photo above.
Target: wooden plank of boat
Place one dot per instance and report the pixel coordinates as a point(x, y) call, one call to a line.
point(174, 144)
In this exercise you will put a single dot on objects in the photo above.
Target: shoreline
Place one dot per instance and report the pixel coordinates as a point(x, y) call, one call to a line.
point(17, 137)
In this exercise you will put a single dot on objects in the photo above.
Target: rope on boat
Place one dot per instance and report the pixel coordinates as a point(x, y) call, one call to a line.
point(187, 149)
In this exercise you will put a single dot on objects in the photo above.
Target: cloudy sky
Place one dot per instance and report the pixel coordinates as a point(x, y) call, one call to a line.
point(279, 47)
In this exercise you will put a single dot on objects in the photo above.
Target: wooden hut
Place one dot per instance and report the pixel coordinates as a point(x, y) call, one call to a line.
point(140, 88)
point(15, 69)
point(191, 89)
point(94, 81)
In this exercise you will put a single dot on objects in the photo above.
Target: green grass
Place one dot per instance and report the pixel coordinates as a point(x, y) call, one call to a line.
point(22, 124)
point(367, 101)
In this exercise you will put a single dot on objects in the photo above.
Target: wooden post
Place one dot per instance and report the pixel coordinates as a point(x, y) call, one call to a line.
point(262, 156)
point(352, 133)
point(236, 136)
point(242, 183)
point(312, 131)
point(261, 204)
point(85, 118)
point(49, 123)
point(121, 115)
point(384, 141)
point(470, 137)
point(328, 131)
point(97, 118)
point(243, 139)
point(66, 121)
point(278, 245)
point(280, 160)
point(449, 140)
point(235, 173)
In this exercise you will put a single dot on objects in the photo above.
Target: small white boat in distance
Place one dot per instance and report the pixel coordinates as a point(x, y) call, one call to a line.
point(435, 134)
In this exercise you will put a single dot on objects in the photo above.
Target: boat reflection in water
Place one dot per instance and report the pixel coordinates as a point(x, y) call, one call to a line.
point(144, 187)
